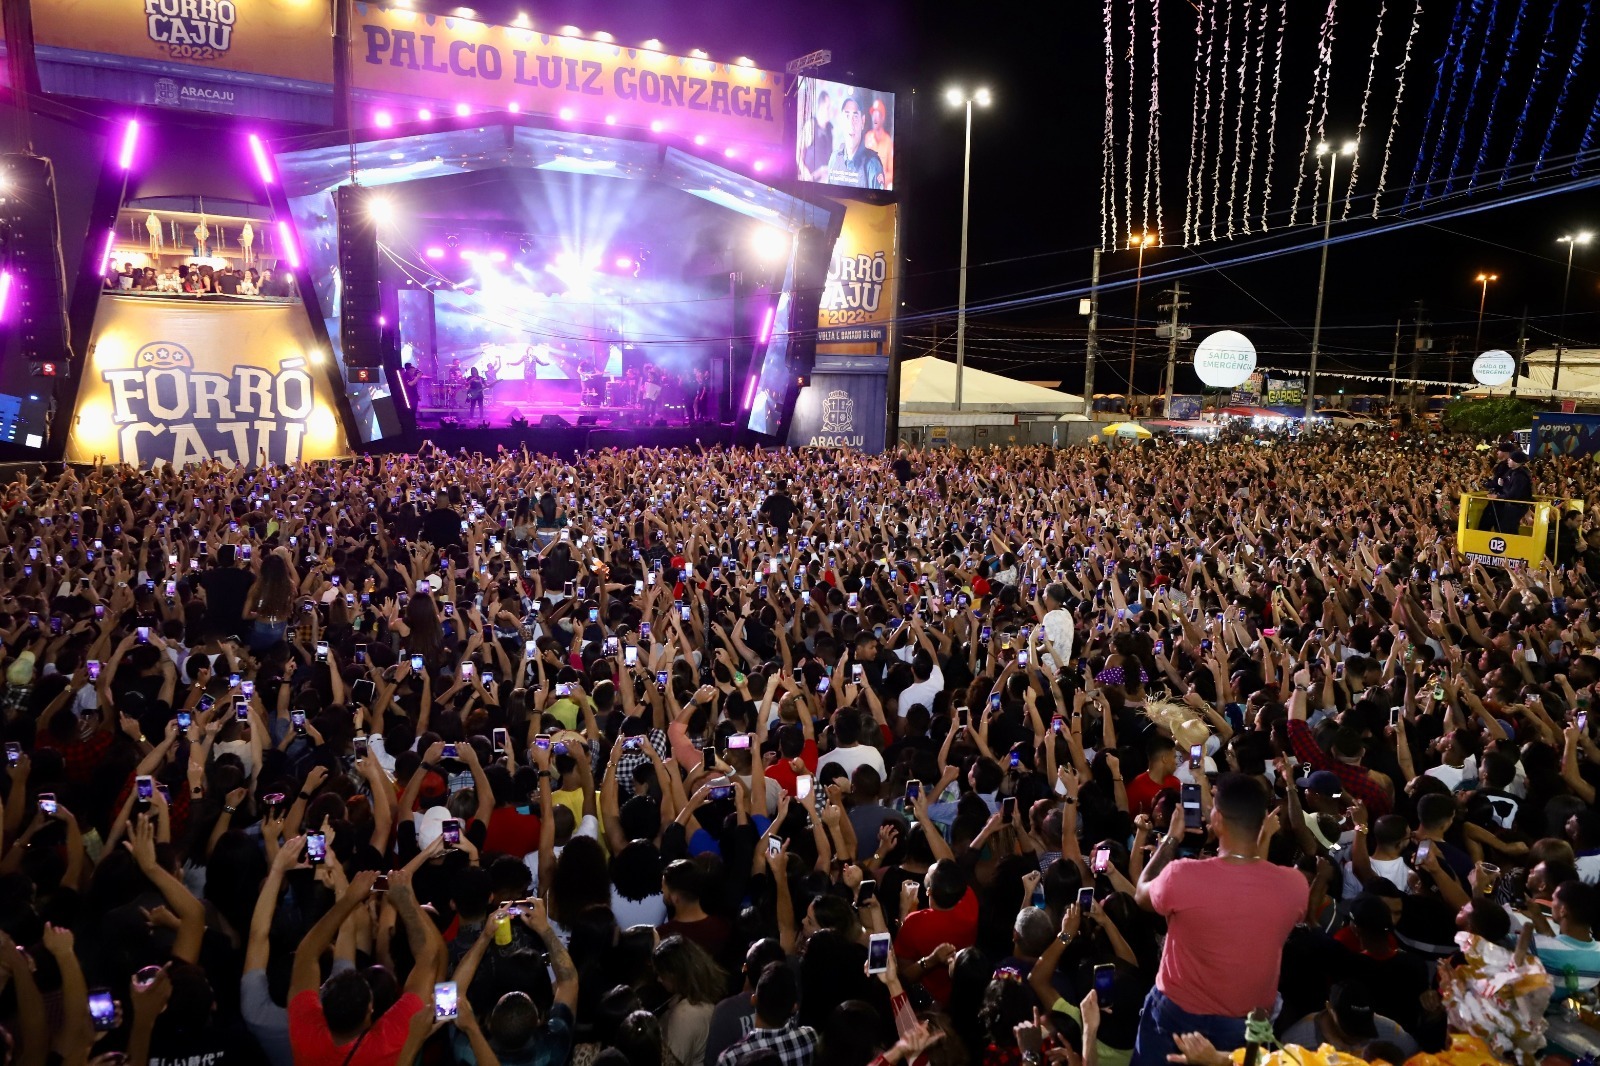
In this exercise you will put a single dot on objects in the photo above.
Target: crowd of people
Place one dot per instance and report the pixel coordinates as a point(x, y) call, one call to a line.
point(204, 280)
point(671, 758)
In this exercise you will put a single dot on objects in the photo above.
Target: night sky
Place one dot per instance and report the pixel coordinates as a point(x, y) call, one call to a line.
point(1037, 165)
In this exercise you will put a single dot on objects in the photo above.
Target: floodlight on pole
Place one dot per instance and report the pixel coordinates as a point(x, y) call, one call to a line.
point(955, 97)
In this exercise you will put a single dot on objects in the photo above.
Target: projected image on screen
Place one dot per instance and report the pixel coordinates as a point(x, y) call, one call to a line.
point(771, 386)
point(845, 135)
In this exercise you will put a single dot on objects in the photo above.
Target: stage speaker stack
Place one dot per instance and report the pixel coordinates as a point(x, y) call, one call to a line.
point(553, 422)
point(810, 275)
point(35, 310)
point(360, 333)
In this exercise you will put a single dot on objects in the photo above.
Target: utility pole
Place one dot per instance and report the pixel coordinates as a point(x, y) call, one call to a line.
point(1394, 362)
point(1175, 296)
point(1450, 362)
point(1416, 359)
point(1522, 349)
point(1092, 349)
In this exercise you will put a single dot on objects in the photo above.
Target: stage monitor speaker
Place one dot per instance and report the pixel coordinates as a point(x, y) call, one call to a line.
point(360, 333)
point(588, 420)
point(553, 422)
point(30, 251)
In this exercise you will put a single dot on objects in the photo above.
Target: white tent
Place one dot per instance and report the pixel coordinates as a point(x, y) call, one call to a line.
point(1580, 376)
point(928, 386)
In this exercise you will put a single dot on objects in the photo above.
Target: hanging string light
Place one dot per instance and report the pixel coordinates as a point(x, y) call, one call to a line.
point(1255, 112)
point(1394, 119)
point(1108, 148)
point(1272, 126)
point(1238, 124)
point(1471, 109)
point(1436, 157)
point(1223, 116)
point(1433, 104)
point(1546, 54)
point(1578, 49)
point(1318, 96)
point(1190, 223)
point(1133, 79)
point(1366, 96)
point(1494, 95)
point(1205, 119)
point(1588, 137)
point(1152, 145)
point(1327, 84)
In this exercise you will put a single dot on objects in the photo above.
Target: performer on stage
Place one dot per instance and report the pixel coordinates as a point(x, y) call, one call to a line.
point(650, 394)
point(410, 376)
point(700, 404)
point(475, 387)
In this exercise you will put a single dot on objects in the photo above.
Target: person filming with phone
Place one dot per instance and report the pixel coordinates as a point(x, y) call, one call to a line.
point(1228, 916)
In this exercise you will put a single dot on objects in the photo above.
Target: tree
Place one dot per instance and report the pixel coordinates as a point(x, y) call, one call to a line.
point(1492, 417)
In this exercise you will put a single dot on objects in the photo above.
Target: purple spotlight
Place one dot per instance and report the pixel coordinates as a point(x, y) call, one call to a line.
point(383, 120)
point(513, 107)
point(730, 152)
point(766, 324)
point(468, 254)
point(750, 392)
point(5, 293)
point(286, 240)
point(105, 256)
point(760, 165)
point(700, 139)
point(611, 120)
point(463, 110)
point(259, 151)
point(383, 320)
point(624, 263)
point(130, 141)
point(497, 256)
point(425, 115)
point(657, 126)
point(435, 253)
point(566, 114)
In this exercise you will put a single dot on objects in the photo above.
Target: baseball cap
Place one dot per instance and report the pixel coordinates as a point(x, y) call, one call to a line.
point(1352, 1006)
point(1324, 781)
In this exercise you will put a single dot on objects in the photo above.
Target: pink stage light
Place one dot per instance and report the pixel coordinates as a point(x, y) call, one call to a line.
point(259, 151)
point(657, 126)
point(425, 115)
point(624, 263)
point(383, 120)
point(105, 256)
point(130, 141)
point(761, 164)
point(468, 254)
point(766, 325)
point(513, 107)
point(463, 110)
point(383, 320)
point(566, 114)
point(5, 293)
point(497, 256)
point(730, 152)
point(750, 393)
point(290, 252)
point(611, 120)
point(435, 253)
point(700, 139)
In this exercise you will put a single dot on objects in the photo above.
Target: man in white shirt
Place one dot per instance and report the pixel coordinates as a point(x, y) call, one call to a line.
point(1058, 629)
point(924, 659)
point(848, 750)
point(1460, 759)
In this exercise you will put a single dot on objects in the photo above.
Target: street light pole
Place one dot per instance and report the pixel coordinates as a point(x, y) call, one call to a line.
point(1483, 297)
point(1572, 241)
point(1143, 241)
point(981, 98)
point(1322, 273)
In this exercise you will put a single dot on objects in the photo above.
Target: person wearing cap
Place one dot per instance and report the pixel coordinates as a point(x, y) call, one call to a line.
point(1348, 1023)
point(854, 164)
point(1511, 487)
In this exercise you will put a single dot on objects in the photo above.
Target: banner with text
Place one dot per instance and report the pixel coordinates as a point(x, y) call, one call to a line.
point(1557, 433)
point(171, 381)
point(272, 58)
point(841, 411)
point(860, 295)
point(435, 60)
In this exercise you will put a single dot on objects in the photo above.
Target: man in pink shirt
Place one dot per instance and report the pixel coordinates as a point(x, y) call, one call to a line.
point(1227, 920)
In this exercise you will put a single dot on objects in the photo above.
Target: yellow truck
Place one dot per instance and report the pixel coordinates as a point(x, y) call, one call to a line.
point(1510, 550)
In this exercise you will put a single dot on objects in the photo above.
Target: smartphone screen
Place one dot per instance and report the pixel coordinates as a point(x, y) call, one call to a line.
point(103, 1010)
point(358, 745)
point(803, 786)
point(739, 742)
point(451, 833)
point(878, 953)
point(1085, 898)
point(774, 845)
point(1197, 756)
point(913, 791)
point(630, 655)
point(146, 788)
point(1008, 806)
point(499, 738)
point(316, 848)
point(1102, 860)
point(1191, 806)
point(1105, 977)
point(444, 1000)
